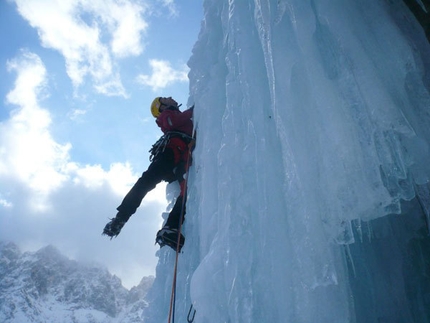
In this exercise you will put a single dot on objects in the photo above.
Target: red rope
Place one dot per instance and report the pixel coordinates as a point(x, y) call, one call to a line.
point(173, 294)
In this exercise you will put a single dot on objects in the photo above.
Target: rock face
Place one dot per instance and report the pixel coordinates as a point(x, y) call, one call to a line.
point(45, 286)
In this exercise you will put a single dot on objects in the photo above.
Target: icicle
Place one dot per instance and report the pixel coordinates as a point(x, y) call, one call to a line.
point(423, 196)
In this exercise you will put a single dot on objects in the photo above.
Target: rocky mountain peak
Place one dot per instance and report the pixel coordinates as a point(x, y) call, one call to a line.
point(37, 286)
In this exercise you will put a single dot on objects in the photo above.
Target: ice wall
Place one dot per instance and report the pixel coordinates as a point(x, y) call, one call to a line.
point(313, 142)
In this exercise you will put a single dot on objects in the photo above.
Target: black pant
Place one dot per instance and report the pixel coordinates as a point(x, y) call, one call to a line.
point(162, 168)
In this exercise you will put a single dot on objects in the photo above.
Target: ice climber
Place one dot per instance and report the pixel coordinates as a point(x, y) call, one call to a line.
point(169, 161)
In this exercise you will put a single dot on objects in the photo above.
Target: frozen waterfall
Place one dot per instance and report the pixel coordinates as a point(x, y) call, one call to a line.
point(308, 196)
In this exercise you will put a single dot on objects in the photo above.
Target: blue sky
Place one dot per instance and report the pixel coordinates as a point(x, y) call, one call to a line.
point(75, 127)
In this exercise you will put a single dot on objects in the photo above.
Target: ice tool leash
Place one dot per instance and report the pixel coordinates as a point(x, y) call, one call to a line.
point(175, 271)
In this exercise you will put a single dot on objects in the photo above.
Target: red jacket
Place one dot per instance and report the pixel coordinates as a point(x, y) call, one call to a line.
point(175, 120)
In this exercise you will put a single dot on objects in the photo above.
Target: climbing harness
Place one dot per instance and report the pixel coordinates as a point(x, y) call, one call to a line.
point(161, 143)
point(173, 295)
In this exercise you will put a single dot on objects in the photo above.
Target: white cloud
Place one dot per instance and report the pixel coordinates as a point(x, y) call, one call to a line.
point(120, 177)
point(76, 114)
point(125, 23)
point(163, 75)
point(170, 5)
point(74, 28)
point(5, 203)
point(28, 151)
point(46, 198)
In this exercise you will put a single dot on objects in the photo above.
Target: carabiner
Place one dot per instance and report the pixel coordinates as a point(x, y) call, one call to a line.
point(190, 318)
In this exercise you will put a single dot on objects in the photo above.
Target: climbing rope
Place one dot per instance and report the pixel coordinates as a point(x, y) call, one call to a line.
point(175, 271)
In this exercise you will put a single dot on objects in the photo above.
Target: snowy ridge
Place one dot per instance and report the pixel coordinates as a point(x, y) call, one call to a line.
point(312, 141)
point(47, 287)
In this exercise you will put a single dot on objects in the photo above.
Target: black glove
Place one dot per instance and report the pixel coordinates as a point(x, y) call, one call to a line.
point(113, 228)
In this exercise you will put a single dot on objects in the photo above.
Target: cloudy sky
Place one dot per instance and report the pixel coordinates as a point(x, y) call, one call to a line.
point(77, 79)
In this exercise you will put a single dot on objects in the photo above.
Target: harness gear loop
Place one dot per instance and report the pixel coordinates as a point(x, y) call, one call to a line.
point(161, 144)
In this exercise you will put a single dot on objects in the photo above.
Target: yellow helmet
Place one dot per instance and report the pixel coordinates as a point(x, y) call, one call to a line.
point(155, 106)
